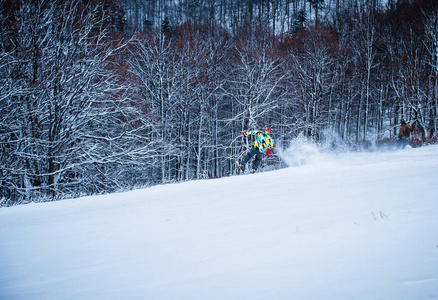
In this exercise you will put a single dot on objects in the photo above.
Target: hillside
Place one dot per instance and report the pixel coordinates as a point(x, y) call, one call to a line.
point(334, 226)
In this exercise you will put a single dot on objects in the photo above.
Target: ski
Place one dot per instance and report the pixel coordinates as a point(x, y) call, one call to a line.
point(242, 171)
point(239, 169)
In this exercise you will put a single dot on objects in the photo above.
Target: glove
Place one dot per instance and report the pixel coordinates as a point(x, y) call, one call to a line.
point(245, 133)
point(268, 151)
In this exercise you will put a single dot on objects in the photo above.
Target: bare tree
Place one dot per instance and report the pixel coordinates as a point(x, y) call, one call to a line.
point(313, 67)
point(431, 46)
point(68, 124)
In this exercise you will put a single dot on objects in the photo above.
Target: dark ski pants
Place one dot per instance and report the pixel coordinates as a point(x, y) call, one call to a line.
point(259, 155)
point(401, 143)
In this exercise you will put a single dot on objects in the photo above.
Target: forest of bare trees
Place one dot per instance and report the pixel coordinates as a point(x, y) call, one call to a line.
point(102, 96)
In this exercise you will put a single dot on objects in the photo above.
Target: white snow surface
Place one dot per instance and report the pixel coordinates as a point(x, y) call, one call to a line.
point(360, 225)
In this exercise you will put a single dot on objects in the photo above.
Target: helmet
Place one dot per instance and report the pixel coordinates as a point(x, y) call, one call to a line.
point(403, 121)
point(268, 130)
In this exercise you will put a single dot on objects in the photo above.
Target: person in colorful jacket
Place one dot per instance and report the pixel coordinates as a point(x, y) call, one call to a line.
point(262, 145)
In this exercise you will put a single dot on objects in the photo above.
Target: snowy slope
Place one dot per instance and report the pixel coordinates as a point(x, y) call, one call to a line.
point(346, 226)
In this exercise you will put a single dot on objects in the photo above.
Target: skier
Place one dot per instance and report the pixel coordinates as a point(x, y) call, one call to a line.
point(262, 145)
point(404, 134)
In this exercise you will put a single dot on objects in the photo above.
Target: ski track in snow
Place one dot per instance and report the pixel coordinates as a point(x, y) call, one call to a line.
point(358, 225)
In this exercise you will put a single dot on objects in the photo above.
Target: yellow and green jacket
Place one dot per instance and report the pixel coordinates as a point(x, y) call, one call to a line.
point(263, 140)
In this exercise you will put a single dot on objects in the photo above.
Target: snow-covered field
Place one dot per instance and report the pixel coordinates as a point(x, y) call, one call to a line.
point(346, 226)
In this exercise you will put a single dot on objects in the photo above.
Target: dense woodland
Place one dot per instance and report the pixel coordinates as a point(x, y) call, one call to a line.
point(105, 95)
